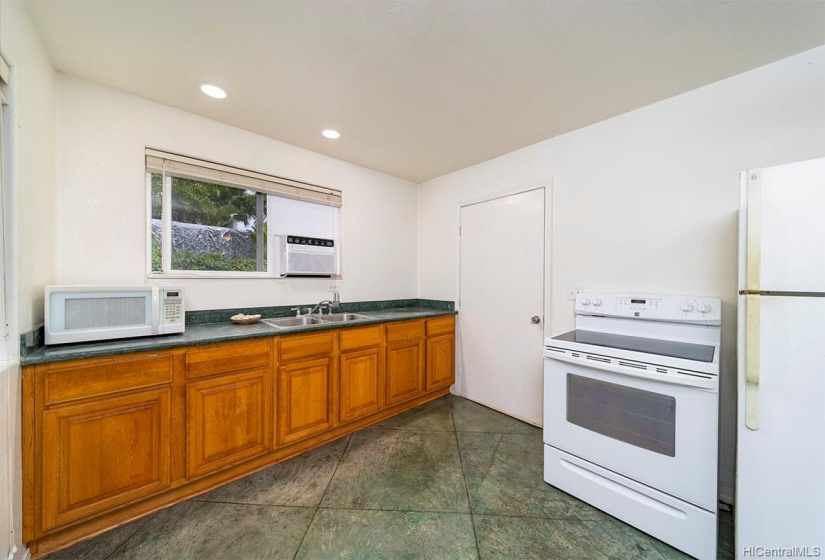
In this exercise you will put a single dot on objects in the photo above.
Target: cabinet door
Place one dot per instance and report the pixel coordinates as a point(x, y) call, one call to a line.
point(361, 386)
point(227, 420)
point(100, 454)
point(440, 363)
point(304, 399)
point(405, 371)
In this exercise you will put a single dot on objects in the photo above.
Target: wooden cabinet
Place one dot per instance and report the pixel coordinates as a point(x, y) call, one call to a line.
point(107, 446)
point(227, 420)
point(100, 454)
point(228, 404)
point(405, 361)
point(361, 373)
point(305, 391)
point(440, 369)
point(106, 440)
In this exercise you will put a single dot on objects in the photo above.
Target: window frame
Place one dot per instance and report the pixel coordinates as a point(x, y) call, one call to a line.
point(269, 185)
point(8, 346)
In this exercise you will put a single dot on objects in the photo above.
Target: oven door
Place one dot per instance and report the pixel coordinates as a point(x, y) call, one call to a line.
point(662, 433)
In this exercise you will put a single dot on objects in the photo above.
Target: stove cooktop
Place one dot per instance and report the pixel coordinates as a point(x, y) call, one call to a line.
point(672, 349)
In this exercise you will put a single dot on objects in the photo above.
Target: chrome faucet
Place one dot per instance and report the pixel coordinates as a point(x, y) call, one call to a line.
point(320, 305)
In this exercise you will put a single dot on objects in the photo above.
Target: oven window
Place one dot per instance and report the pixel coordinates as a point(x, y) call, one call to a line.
point(641, 418)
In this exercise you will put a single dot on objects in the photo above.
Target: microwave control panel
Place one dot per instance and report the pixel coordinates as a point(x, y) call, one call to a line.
point(172, 308)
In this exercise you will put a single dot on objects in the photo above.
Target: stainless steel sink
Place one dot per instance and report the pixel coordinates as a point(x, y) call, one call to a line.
point(306, 320)
point(287, 322)
point(343, 317)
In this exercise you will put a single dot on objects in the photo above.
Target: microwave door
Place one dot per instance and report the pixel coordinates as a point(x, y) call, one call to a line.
point(87, 315)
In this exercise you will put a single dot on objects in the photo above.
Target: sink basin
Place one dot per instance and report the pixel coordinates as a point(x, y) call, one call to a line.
point(287, 322)
point(306, 320)
point(343, 317)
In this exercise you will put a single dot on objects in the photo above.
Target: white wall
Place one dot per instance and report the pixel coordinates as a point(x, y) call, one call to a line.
point(102, 199)
point(33, 151)
point(647, 201)
point(31, 263)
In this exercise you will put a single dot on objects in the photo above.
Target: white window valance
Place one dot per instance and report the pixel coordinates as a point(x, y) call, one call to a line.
point(192, 168)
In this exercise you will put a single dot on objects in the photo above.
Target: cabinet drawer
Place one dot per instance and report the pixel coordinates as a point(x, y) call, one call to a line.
point(405, 331)
point(302, 346)
point(104, 376)
point(360, 338)
point(440, 325)
point(227, 357)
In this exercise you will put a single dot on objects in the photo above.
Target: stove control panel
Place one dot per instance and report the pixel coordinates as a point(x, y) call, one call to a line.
point(654, 307)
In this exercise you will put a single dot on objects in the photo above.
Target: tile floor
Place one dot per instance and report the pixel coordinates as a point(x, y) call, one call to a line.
point(450, 479)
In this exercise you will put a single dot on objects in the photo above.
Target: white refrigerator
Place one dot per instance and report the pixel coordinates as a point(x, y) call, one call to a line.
point(780, 459)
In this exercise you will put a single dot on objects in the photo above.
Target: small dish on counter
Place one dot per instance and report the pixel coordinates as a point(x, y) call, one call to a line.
point(241, 319)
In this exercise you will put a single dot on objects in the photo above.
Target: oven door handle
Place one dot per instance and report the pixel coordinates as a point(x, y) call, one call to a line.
point(684, 380)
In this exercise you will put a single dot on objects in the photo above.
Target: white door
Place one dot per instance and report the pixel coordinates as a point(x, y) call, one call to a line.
point(780, 487)
point(501, 303)
point(786, 227)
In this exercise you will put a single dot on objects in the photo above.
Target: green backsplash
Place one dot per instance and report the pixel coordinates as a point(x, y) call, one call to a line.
point(210, 316)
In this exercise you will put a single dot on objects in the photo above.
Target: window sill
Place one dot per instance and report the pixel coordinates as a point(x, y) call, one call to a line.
point(231, 275)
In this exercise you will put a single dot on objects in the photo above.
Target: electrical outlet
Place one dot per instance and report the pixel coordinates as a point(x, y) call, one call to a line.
point(571, 293)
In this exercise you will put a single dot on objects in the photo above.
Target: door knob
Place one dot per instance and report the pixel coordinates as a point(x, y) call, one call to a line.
point(535, 319)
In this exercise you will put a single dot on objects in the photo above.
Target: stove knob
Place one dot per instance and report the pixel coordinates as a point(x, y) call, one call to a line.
point(585, 300)
point(686, 306)
point(703, 308)
point(597, 302)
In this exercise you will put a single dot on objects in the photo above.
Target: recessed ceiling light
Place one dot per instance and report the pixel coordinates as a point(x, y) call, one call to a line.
point(333, 134)
point(213, 91)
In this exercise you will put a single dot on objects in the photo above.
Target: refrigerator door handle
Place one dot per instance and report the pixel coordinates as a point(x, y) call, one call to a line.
point(753, 272)
point(752, 374)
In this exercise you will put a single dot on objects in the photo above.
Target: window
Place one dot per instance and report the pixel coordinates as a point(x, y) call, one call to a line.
point(208, 219)
point(213, 226)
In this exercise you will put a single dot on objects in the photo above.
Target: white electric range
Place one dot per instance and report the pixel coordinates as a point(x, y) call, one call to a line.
point(631, 408)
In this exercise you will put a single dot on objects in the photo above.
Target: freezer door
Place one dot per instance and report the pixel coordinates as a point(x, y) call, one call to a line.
point(780, 487)
point(782, 221)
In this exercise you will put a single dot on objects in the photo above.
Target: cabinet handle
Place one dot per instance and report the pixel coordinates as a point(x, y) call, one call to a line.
point(535, 319)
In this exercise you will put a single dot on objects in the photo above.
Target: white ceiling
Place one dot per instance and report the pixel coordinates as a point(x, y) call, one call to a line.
point(419, 88)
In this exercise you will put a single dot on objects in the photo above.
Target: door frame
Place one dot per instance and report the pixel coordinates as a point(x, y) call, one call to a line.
point(547, 186)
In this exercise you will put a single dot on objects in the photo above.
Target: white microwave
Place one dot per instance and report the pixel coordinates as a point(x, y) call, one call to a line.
point(86, 313)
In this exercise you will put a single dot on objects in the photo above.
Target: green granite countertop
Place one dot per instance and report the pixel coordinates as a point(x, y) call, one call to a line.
point(214, 332)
